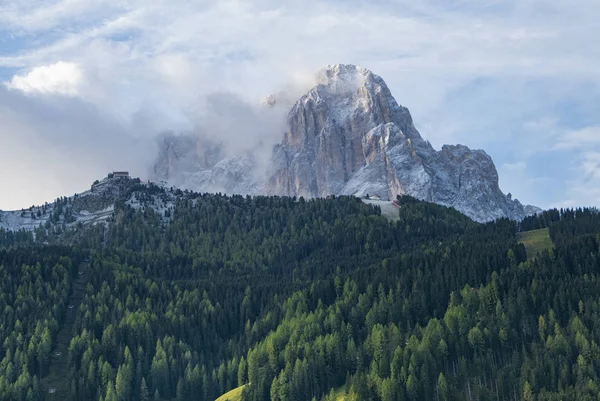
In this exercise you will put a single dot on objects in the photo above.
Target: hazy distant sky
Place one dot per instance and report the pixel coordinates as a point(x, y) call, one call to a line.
point(84, 84)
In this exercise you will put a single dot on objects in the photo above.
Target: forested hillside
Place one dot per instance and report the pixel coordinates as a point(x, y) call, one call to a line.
point(302, 300)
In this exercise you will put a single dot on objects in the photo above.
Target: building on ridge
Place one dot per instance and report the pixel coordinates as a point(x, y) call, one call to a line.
point(119, 174)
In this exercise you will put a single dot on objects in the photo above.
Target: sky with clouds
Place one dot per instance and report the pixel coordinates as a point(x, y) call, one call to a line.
point(85, 84)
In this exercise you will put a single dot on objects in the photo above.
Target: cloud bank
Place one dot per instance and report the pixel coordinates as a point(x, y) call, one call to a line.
point(87, 84)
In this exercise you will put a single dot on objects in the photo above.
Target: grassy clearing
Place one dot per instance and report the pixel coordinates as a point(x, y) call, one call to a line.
point(236, 394)
point(233, 395)
point(535, 241)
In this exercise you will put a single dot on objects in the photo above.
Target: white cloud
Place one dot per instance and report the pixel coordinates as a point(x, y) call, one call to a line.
point(519, 166)
point(33, 16)
point(581, 138)
point(54, 145)
point(582, 187)
point(62, 78)
point(585, 195)
point(591, 165)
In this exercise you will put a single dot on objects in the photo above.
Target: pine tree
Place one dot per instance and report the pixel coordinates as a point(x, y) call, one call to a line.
point(412, 387)
point(124, 382)
point(144, 395)
point(110, 392)
point(442, 387)
point(527, 392)
point(181, 390)
point(242, 372)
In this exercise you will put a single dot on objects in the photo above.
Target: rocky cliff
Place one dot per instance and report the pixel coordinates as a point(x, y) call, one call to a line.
point(347, 135)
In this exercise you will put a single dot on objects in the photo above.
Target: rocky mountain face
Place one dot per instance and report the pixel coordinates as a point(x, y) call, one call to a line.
point(200, 164)
point(347, 135)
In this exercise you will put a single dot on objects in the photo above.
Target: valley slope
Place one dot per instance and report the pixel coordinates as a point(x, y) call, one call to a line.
point(188, 296)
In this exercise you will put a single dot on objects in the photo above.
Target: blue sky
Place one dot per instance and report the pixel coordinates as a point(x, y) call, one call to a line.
point(85, 85)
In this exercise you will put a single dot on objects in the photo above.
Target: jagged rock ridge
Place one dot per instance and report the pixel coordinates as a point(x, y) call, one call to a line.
point(198, 163)
point(347, 135)
point(89, 208)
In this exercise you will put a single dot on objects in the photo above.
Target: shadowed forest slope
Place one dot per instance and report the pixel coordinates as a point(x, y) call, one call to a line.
point(293, 299)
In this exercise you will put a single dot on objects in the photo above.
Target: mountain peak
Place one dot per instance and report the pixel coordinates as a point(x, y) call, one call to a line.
point(344, 79)
point(342, 71)
point(347, 135)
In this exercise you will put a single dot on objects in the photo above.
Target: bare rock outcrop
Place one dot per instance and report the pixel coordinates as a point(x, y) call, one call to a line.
point(347, 135)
